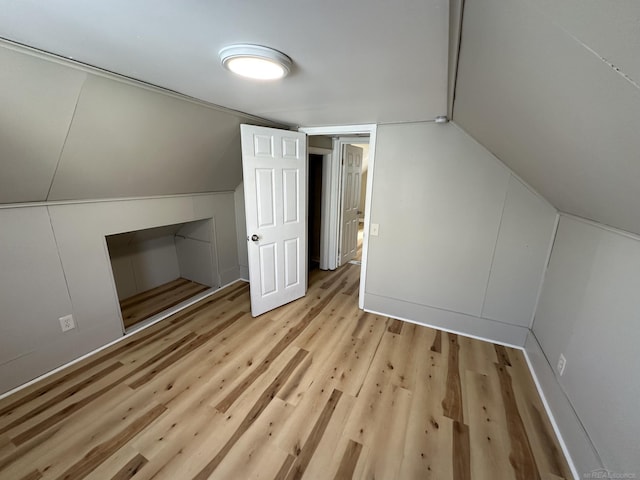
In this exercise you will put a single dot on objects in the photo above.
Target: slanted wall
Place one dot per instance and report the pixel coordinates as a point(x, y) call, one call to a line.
point(462, 242)
point(81, 141)
point(74, 133)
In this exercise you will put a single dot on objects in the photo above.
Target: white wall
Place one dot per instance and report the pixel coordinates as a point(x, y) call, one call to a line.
point(33, 295)
point(36, 96)
point(123, 273)
point(523, 245)
point(140, 264)
point(241, 228)
point(144, 259)
point(197, 252)
point(365, 172)
point(552, 88)
point(588, 311)
point(452, 251)
point(455, 26)
point(42, 247)
point(70, 132)
point(127, 141)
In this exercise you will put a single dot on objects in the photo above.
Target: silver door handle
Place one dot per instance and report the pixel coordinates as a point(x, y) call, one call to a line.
point(255, 237)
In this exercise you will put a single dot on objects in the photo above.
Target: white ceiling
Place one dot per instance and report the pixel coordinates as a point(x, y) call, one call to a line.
point(552, 88)
point(361, 61)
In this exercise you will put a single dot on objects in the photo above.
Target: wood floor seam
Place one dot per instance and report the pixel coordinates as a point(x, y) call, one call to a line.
point(70, 392)
point(101, 452)
point(314, 389)
point(256, 410)
point(291, 335)
point(306, 452)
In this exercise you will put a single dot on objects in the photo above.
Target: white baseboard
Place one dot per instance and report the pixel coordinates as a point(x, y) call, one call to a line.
point(170, 311)
point(467, 325)
point(582, 456)
point(574, 440)
point(244, 273)
point(144, 325)
point(229, 276)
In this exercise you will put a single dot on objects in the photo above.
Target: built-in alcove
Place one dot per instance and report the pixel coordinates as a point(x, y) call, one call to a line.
point(157, 269)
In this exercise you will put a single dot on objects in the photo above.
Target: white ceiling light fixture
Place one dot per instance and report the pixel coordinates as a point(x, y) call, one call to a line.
point(255, 61)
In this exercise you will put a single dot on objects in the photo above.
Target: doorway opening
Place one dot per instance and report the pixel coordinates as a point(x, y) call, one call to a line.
point(336, 200)
point(159, 269)
point(276, 199)
point(335, 177)
point(314, 207)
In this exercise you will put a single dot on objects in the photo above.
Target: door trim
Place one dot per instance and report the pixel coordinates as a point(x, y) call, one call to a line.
point(327, 247)
point(346, 130)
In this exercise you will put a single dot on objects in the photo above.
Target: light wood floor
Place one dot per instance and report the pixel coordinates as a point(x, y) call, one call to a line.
point(317, 389)
point(147, 304)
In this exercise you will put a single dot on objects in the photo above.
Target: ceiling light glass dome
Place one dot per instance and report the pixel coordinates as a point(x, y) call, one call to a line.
point(255, 61)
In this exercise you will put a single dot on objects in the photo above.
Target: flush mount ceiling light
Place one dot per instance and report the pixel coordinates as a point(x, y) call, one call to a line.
point(255, 61)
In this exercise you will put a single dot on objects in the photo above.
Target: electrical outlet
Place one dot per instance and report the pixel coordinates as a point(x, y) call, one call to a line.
point(374, 229)
point(67, 323)
point(562, 362)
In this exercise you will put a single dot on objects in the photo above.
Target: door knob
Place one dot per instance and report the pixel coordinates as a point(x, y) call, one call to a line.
point(255, 237)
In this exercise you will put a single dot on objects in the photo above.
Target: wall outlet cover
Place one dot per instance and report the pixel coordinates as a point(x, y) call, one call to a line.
point(67, 323)
point(562, 363)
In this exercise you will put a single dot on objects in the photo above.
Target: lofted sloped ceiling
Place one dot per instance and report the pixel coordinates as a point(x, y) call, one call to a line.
point(68, 133)
point(126, 141)
point(552, 88)
point(37, 101)
point(360, 61)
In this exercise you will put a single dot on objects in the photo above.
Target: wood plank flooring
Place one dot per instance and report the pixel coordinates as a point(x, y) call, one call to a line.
point(316, 389)
point(147, 304)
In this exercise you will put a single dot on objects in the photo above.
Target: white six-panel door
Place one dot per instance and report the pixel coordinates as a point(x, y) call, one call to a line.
point(274, 164)
point(351, 178)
